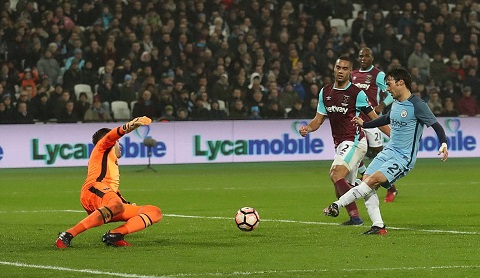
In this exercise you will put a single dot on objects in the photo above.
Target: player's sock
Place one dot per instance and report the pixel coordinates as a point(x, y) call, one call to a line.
point(149, 216)
point(372, 203)
point(392, 188)
point(362, 168)
point(343, 187)
point(355, 193)
point(93, 220)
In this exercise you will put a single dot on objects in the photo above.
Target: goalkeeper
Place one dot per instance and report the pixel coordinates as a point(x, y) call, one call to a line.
point(100, 195)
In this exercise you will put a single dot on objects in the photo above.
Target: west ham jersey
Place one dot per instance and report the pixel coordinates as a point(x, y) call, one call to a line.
point(372, 81)
point(341, 105)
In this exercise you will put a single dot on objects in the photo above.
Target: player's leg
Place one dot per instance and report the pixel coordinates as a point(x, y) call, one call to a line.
point(348, 155)
point(375, 146)
point(137, 218)
point(105, 205)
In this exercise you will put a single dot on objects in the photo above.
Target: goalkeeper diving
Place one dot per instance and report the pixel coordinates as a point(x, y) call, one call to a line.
point(100, 195)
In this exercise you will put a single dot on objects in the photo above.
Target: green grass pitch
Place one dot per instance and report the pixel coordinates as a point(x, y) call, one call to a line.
point(433, 225)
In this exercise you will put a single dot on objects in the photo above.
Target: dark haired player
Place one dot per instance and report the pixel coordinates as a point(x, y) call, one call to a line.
point(100, 195)
point(341, 102)
point(407, 118)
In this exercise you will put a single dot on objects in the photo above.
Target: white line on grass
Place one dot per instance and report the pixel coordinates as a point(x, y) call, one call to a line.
point(236, 273)
point(263, 220)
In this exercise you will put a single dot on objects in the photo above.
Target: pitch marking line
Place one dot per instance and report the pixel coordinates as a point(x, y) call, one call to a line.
point(236, 273)
point(263, 220)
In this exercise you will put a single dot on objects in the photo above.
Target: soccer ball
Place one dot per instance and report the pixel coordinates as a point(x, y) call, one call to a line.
point(247, 219)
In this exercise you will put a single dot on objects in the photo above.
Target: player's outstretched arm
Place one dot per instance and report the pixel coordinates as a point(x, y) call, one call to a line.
point(135, 123)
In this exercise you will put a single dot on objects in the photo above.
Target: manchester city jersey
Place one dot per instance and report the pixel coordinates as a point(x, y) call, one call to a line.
point(407, 121)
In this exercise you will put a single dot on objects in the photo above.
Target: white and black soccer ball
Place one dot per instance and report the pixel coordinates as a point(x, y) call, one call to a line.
point(247, 219)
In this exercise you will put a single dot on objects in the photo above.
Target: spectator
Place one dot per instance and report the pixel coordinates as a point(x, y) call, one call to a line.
point(127, 92)
point(220, 90)
point(146, 106)
point(82, 106)
point(72, 76)
point(274, 111)
point(77, 56)
point(48, 66)
point(8, 111)
point(108, 91)
point(297, 111)
point(182, 114)
point(238, 111)
point(168, 115)
point(97, 112)
point(467, 106)
point(68, 114)
point(22, 115)
point(449, 109)
point(43, 112)
point(421, 60)
point(29, 78)
point(434, 102)
point(89, 74)
point(216, 113)
point(199, 112)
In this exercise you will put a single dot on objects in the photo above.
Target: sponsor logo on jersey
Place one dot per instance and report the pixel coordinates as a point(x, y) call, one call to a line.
point(362, 86)
point(334, 109)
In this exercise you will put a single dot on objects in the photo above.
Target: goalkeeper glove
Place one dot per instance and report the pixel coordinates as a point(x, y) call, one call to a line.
point(133, 124)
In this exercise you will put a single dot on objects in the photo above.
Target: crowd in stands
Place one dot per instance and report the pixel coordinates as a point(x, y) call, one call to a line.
point(173, 60)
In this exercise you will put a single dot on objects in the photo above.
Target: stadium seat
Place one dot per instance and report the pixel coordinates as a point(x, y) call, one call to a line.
point(349, 24)
point(132, 104)
point(120, 110)
point(84, 88)
point(357, 7)
point(339, 24)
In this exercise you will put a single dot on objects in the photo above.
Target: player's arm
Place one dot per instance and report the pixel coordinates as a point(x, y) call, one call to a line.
point(425, 115)
point(383, 89)
point(312, 125)
point(113, 135)
point(384, 128)
point(320, 116)
point(378, 122)
point(135, 123)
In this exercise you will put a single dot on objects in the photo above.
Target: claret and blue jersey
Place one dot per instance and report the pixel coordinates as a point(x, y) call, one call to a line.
point(341, 105)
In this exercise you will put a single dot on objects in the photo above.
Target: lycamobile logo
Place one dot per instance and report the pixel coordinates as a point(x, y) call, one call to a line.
point(50, 152)
point(284, 145)
point(457, 141)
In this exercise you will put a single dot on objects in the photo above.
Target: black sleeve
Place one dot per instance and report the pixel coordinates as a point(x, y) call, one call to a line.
point(380, 121)
point(367, 109)
point(440, 132)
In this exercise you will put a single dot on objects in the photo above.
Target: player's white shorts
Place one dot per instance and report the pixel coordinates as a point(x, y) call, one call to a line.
point(349, 154)
point(374, 137)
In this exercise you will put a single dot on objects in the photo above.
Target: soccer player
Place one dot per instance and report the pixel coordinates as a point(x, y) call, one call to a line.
point(342, 101)
point(372, 81)
point(100, 195)
point(407, 118)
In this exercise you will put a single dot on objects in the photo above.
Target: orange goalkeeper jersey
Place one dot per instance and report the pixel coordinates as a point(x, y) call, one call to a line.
point(102, 165)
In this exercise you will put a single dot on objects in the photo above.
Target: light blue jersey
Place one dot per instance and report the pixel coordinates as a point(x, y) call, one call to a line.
point(407, 121)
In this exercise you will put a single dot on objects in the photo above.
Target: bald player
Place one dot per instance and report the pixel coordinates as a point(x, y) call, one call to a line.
point(372, 81)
